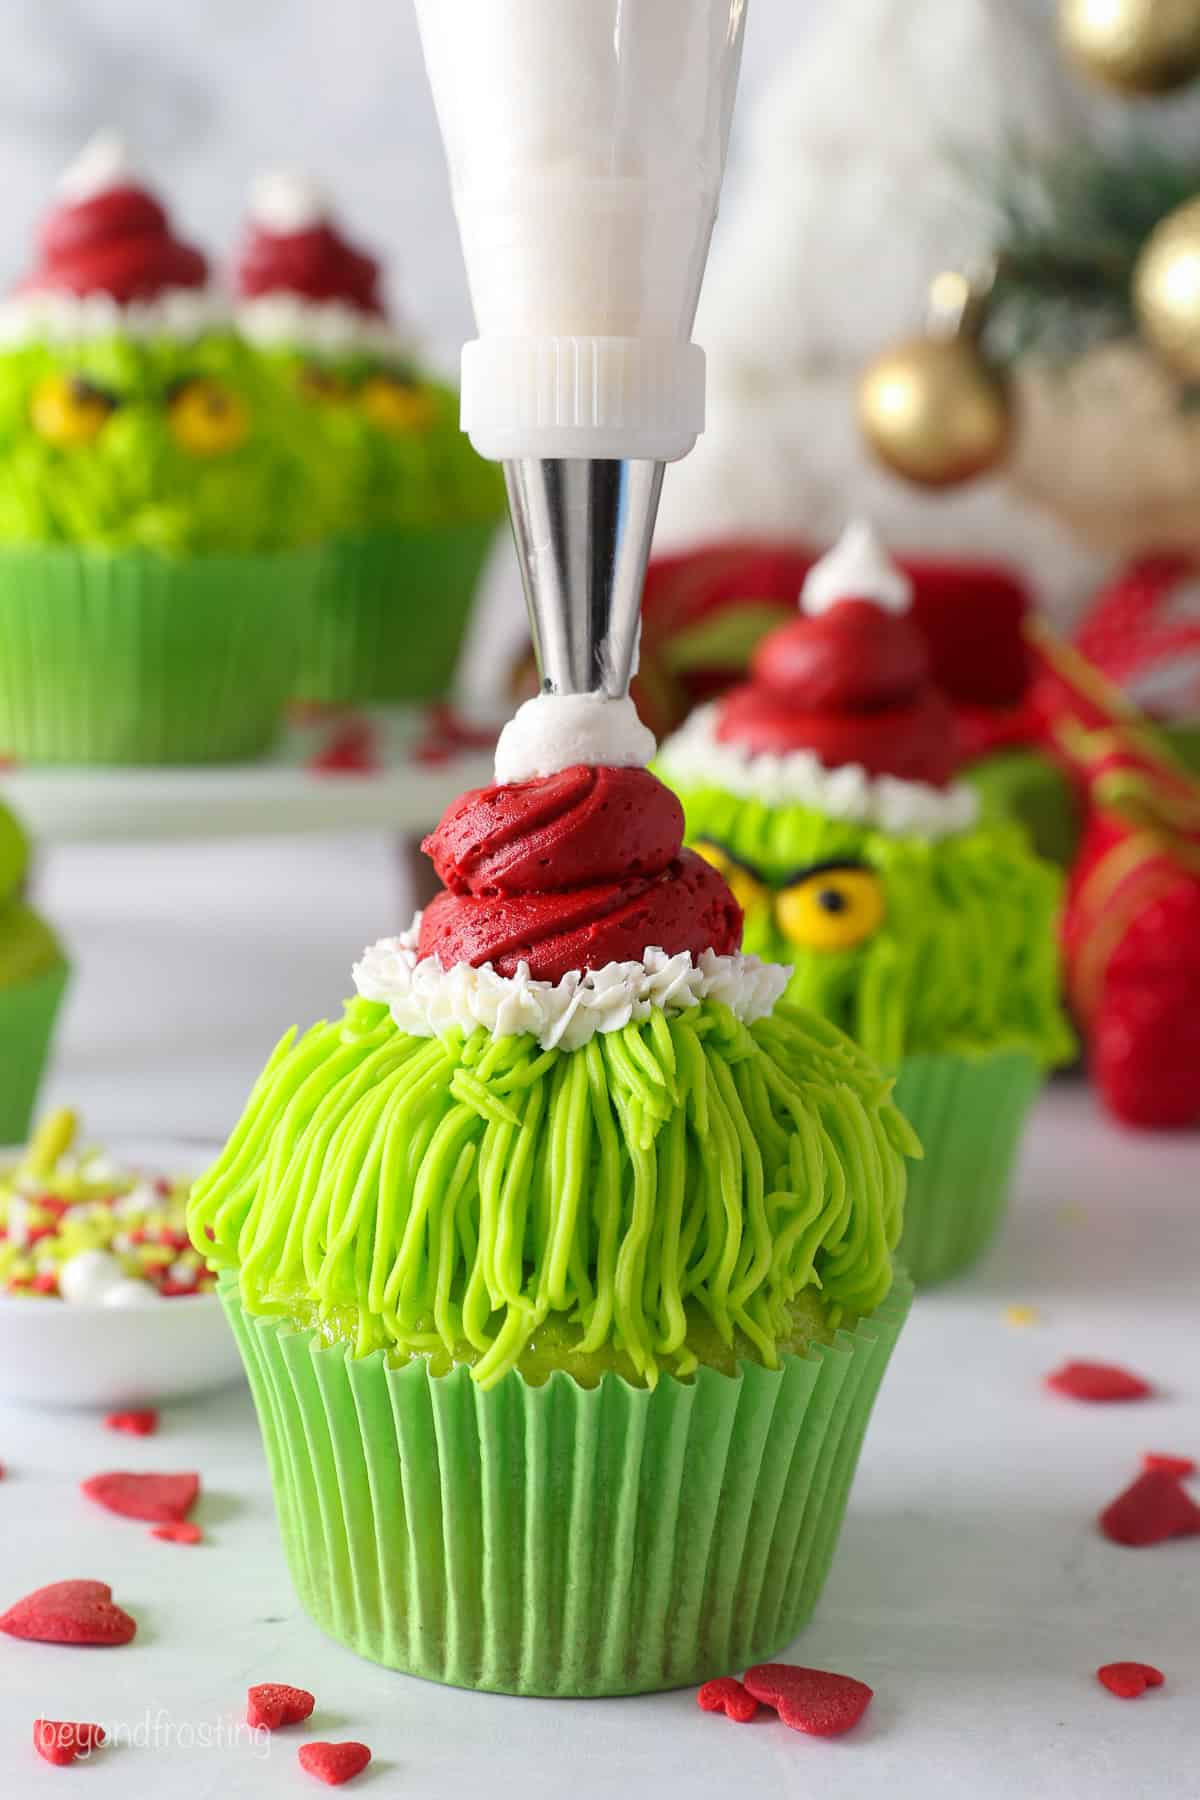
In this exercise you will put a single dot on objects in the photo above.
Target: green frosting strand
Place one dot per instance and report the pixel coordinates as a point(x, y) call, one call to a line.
point(686, 1181)
point(966, 959)
point(134, 484)
point(367, 477)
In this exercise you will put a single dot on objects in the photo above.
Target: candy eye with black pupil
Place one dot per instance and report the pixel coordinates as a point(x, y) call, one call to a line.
point(206, 417)
point(69, 410)
point(745, 886)
point(836, 906)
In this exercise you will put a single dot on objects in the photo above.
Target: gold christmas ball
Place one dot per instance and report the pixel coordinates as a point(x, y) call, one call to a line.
point(1137, 46)
point(1166, 289)
point(934, 411)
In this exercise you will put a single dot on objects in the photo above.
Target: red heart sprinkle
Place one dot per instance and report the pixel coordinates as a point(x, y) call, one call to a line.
point(161, 1499)
point(69, 1612)
point(1097, 1381)
point(334, 1763)
point(1183, 1466)
point(138, 1424)
point(1127, 1679)
point(811, 1700)
point(273, 1703)
point(61, 1742)
point(1152, 1509)
point(726, 1694)
point(178, 1531)
point(351, 751)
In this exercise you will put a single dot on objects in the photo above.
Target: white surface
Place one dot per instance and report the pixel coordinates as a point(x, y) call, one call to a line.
point(280, 794)
point(971, 1588)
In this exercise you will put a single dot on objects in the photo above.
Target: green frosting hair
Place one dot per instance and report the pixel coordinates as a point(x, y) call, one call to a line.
point(685, 1179)
point(964, 959)
point(367, 476)
point(134, 484)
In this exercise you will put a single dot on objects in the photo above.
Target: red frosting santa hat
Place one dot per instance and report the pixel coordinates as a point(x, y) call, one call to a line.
point(108, 259)
point(298, 279)
point(841, 712)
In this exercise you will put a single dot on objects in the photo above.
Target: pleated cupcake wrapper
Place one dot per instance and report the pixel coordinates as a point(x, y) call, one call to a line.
point(559, 1540)
point(969, 1114)
point(391, 610)
point(138, 658)
point(28, 1010)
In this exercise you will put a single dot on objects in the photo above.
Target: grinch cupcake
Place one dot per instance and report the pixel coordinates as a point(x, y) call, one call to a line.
point(562, 1263)
point(409, 508)
point(825, 790)
point(152, 598)
point(33, 975)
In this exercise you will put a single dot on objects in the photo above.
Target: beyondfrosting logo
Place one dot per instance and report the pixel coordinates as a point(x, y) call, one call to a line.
point(157, 1729)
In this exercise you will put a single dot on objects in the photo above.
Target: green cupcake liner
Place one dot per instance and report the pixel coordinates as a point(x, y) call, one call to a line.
point(27, 1014)
point(969, 1113)
point(130, 657)
point(560, 1540)
point(391, 610)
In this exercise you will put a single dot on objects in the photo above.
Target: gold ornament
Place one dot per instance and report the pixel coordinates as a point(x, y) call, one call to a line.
point(1137, 46)
point(1166, 289)
point(935, 411)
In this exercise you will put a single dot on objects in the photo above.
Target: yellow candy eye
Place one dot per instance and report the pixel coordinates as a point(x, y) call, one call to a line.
point(67, 410)
point(318, 383)
point(743, 884)
point(206, 418)
point(397, 406)
point(833, 908)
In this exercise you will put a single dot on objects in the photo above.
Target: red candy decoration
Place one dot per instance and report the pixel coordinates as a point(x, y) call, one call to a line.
point(726, 1694)
point(350, 751)
point(160, 1499)
point(70, 1612)
point(1097, 1381)
point(141, 1423)
point(1129, 1679)
point(1183, 1466)
point(273, 1703)
point(60, 1741)
point(179, 1531)
point(334, 1763)
point(1151, 1510)
point(811, 1700)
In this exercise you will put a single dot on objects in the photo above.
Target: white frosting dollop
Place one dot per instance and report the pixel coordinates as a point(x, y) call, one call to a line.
point(556, 731)
point(857, 568)
point(696, 757)
point(54, 317)
point(88, 1277)
point(283, 201)
point(426, 1000)
point(328, 326)
point(104, 163)
point(128, 1292)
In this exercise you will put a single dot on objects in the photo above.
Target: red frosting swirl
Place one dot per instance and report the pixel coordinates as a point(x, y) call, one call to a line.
point(119, 243)
point(318, 264)
point(570, 872)
point(849, 685)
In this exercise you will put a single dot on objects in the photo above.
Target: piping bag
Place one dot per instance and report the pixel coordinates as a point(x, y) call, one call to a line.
point(586, 142)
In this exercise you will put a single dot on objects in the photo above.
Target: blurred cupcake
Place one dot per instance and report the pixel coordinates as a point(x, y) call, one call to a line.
point(825, 789)
point(409, 508)
point(152, 594)
point(33, 975)
point(562, 1264)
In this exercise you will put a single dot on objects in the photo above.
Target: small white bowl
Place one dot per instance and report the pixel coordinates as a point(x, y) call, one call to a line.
point(54, 1353)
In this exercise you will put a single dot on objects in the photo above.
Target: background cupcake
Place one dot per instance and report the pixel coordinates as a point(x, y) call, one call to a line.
point(33, 975)
point(562, 1265)
point(409, 508)
point(151, 598)
point(825, 789)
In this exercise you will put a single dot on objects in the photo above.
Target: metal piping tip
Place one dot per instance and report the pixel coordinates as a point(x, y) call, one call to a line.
point(583, 529)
